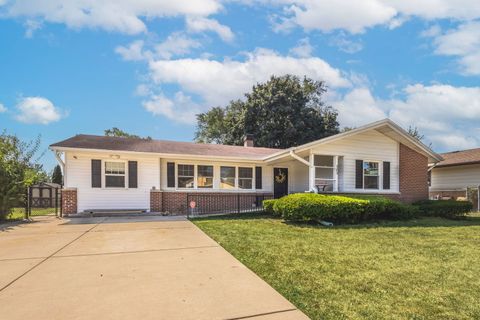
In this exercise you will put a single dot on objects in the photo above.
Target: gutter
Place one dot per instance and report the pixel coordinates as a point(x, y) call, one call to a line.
point(59, 160)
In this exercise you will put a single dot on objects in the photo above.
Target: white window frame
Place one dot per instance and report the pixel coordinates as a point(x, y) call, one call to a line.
point(235, 187)
point(104, 174)
point(379, 185)
point(313, 167)
point(252, 178)
point(177, 175)
point(196, 176)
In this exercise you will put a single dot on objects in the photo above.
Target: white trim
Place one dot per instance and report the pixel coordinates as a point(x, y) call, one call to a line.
point(104, 174)
point(166, 156)
point(371, 126)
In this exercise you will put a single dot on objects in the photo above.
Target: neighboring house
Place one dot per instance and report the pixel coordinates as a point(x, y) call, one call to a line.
point(457, 176)
point(109, 173)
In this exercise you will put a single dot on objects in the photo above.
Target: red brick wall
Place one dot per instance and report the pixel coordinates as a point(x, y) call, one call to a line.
point(212, 202)
point(156, 201)
point(413, 175)
point(69, 201)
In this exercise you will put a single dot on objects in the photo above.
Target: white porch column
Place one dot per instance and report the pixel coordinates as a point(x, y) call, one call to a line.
point(335, 173)
point(311, 173)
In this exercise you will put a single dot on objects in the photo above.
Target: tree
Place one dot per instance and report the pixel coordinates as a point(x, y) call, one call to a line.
point(116, 132)
point(57, 176)
point(283, 112)
point(18, 169)
point(415, 133)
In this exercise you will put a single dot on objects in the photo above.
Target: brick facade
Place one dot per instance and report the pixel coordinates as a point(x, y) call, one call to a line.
point(176, 202)
point(156, 201)
point(69, 201)
point(413, 175)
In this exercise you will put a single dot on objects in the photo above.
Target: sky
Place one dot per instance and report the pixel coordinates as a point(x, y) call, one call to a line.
point(148, 67)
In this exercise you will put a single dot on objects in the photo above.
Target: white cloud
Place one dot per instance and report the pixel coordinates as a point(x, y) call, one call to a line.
point(37, 110)
point(358, 107)
point(176, 44)
point(2, 108)
point(201, 24)
point(125, 16)
point(462, 42)
point(346, 45)
point(303, 49)
point(133, 52)
point(448, 116)
point(180, 109)
point(217, 82)
point(357, 16)
point(31, 26)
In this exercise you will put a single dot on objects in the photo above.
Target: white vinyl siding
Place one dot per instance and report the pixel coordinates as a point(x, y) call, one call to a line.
point(78, 173)
point(455, 178)
point(366, 146)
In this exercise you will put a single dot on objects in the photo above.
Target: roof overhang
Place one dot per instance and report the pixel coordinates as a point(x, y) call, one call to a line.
point(385, 126)
point(160, 155)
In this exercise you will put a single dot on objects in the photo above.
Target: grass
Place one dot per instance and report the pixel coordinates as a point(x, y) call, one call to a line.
point(19, 213)
point(420, 269)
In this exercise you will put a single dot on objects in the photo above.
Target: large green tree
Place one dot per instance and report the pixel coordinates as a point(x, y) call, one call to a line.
point(18, 170)
point(283, 112)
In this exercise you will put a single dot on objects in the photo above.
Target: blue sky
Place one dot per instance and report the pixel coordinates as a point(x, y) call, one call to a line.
point(148, 67)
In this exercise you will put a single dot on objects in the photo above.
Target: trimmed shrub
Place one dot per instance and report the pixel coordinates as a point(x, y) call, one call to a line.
point(311, 206)
point(444, 208)
point(315, 207)
point(268, 206)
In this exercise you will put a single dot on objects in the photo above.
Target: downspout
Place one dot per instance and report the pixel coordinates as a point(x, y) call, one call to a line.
point(60, 161)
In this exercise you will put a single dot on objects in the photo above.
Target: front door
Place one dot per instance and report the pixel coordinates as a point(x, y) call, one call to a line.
point(280, 182)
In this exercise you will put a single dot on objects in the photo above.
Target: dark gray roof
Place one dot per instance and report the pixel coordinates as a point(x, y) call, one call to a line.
point(83, 141)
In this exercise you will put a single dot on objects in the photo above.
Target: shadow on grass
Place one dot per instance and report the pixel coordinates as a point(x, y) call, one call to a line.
point(425, 222)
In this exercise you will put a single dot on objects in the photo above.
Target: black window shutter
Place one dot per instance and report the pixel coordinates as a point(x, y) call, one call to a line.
point(358, 174)
point(132, 174)
point(171, 174)
point(386, 175)
point(96, 173)
point(258, 178)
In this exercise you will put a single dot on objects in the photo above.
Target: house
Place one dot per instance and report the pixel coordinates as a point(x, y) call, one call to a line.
point(110, 173)
point(457, 176)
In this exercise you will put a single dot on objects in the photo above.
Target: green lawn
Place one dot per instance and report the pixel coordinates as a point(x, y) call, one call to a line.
point(19, 213)
point(421, 269)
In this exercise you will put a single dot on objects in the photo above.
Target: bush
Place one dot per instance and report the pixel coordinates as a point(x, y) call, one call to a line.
point(444, 208)
point(268, 206)
point(310, 206)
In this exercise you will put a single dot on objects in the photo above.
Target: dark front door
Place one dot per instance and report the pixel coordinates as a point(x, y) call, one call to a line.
point(280, 182)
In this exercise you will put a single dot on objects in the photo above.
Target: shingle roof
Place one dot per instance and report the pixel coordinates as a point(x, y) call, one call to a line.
point(162, 146)
point(462, 157)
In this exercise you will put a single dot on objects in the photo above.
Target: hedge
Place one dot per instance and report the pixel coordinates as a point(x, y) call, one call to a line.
point(268, 206)
point(314, 207)
point(444, 208)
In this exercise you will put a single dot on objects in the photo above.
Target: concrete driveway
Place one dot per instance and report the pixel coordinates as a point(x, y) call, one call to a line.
point(127, 268)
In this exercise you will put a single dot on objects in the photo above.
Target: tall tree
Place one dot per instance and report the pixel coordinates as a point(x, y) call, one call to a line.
point(414, 132)
point(283, 112)
point(116, 132)
point(57, 176)
point(18, 169)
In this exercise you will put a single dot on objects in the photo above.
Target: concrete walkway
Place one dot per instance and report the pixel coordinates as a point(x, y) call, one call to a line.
point(127, 268)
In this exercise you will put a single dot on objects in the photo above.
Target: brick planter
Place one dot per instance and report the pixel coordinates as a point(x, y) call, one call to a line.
point(69, 201)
